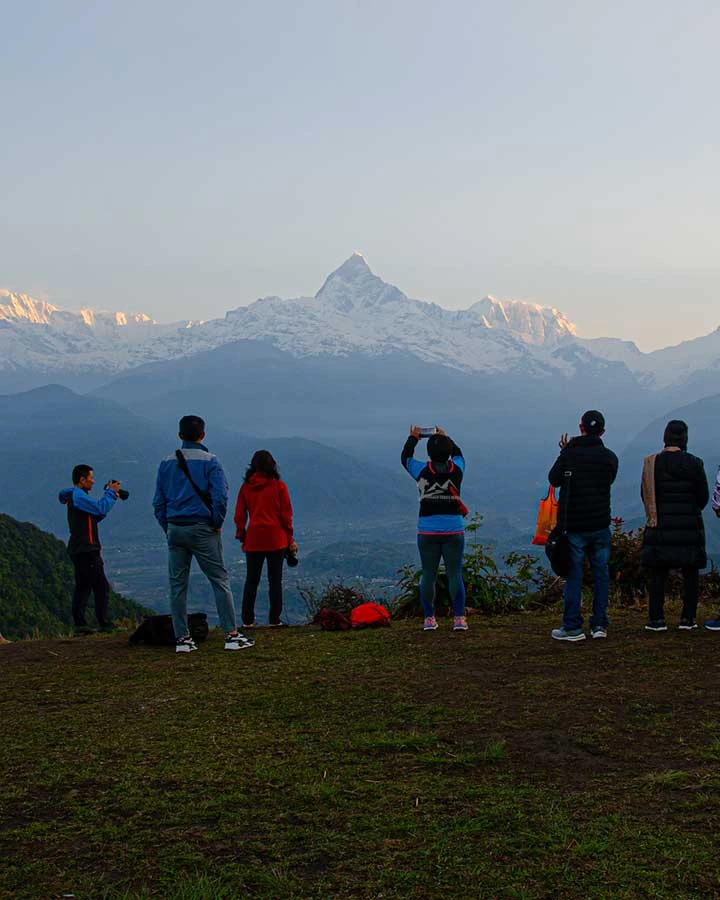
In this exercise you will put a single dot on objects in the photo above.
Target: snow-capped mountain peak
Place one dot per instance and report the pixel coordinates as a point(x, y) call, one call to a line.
point(355, 285)
point(354, 312)
point(16, 307)
point(20, 308)
point(530, 322)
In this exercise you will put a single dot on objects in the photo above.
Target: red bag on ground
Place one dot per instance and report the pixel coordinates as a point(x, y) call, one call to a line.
point(332, 620)
point(368, 615)
point(547, 517)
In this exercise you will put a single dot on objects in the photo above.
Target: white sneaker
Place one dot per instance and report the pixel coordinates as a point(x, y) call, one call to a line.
point(238, 642)
point(185, 644)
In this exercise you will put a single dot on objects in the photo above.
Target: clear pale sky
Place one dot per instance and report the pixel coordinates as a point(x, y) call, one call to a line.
point(183, 158)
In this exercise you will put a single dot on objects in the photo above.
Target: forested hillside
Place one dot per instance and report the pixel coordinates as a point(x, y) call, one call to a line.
point(36, 583)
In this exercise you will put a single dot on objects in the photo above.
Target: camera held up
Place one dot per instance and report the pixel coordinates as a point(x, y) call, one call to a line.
point(122, 493)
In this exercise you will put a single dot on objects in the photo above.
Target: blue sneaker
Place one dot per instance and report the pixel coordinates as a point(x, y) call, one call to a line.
point(571, 634)
point(598, 631)
point(713, 624)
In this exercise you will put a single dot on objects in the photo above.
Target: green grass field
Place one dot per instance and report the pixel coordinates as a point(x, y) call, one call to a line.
point(379, 764)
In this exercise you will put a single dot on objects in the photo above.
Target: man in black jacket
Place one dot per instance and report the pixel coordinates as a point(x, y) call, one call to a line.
point(585, 501)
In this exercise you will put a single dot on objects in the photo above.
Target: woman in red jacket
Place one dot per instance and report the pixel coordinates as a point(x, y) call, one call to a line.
point(269, 534)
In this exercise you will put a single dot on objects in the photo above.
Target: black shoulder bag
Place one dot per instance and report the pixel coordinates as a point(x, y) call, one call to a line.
point(203, 495)
point(557, 548)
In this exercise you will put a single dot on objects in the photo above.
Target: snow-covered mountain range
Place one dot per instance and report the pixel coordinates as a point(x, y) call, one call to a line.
point(353, 312)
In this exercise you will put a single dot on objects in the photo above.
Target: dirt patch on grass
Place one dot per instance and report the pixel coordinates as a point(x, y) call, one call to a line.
point(572, 714)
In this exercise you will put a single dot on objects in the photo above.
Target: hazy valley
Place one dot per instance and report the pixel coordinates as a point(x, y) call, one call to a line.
point(330, 385)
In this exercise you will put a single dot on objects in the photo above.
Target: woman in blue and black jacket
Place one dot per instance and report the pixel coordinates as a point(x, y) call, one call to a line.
point(441, 526)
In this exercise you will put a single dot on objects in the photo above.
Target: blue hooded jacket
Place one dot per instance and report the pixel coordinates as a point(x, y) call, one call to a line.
point(175, 499)
point(84, 513)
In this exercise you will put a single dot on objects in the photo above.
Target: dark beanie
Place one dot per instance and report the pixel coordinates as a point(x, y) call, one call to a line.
point(676, 434)
point(439, 447)
point(593, 422)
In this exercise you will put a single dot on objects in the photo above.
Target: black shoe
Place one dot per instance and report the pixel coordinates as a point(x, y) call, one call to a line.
point(83, 630)
point(656, 625)
point(687, 625)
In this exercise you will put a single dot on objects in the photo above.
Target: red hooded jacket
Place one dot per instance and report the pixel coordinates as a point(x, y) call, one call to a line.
point(266, 501)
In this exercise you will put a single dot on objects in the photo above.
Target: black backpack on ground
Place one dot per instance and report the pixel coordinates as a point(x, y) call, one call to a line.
point(158, 630)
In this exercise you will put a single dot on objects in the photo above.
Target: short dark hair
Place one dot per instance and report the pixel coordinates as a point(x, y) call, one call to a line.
point(191, 428)
point(676, 434)
point(439, 447)
point(81, 471)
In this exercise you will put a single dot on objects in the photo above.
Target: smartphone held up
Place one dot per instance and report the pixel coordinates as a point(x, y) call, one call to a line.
point(426, 431)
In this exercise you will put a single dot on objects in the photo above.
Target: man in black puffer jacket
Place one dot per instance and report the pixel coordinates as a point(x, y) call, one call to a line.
point(675, 492)
point(586, 503)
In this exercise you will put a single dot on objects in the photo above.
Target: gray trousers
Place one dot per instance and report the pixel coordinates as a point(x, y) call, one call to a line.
point(205, 544)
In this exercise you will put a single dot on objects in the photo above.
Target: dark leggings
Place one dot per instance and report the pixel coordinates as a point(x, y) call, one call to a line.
point(89, 579)
point(255, 560)
point(449, 548)
point(657, 593)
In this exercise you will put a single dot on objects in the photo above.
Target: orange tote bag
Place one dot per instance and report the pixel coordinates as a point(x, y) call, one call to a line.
point(547, 517)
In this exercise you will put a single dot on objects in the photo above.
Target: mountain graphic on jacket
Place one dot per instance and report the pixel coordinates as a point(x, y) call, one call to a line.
point(436, 490)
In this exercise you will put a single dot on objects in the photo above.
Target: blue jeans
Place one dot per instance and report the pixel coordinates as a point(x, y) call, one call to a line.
point(205, 544)
point(451, 548)
point(596, 544)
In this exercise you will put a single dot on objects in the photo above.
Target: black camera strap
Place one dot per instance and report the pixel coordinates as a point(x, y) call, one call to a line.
point(203, 495)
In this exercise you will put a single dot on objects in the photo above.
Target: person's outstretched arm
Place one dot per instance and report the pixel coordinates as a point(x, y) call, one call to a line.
point(457, 457)
point(413, 466)
point(98, 508)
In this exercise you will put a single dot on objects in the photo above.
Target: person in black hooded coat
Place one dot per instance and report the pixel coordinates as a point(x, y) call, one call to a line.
point(675, 492)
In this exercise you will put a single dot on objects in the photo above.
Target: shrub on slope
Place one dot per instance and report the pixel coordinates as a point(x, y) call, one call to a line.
point(36, 583)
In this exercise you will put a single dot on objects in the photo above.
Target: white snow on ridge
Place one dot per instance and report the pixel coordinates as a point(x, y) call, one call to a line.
point(661, 368)
point(530, 322)
point(20, 306)
point(353, 312)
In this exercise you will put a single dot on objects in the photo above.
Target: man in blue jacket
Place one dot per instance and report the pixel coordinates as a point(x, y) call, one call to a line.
point(190, 503)
point(84, 546)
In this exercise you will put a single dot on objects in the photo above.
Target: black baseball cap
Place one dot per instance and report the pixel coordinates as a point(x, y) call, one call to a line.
point(593, 422)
